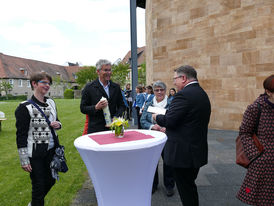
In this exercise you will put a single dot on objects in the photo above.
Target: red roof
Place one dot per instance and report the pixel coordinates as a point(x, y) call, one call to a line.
point(19, 68)
point(141, 56)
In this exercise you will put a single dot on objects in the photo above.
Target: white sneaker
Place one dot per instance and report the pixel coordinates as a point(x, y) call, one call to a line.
point(29, 204)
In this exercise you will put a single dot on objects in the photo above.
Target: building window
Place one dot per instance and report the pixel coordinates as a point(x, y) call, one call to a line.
point(23, 71)
point(11, 81)
point(20, 82)
point(28, 83)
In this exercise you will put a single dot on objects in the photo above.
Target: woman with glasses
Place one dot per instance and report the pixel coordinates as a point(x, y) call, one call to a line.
point(159, 100)
point(34, 139)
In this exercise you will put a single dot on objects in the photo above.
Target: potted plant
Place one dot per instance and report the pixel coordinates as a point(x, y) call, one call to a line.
point(119, 125)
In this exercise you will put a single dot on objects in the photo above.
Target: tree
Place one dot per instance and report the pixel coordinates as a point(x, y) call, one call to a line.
point(58, 81)
point(6, 87)
point(120, 73)
point(85, 75)
point(142, 74)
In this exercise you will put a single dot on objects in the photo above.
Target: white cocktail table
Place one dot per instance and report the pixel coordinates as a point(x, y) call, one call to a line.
point(122, 173)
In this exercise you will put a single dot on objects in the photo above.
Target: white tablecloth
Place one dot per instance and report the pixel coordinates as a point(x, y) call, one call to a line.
point(122, 173)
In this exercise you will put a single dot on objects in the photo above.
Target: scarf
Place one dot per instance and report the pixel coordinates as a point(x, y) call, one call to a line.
point(161, 104)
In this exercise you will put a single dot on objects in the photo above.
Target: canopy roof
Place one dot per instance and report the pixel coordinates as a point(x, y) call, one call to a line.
point(141, 3)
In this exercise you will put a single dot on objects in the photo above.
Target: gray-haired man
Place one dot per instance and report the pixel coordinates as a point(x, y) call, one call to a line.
point(94, 91)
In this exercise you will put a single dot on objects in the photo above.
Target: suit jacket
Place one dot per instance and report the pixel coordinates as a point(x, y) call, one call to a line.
point(91, 95)
point(186, 124)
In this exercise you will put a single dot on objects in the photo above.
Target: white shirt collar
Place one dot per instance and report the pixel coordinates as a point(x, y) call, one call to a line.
point(193, 82)
point(106, 88)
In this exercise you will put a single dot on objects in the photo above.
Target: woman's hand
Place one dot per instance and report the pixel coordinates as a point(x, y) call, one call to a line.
point(55, 125)
point(27, 168)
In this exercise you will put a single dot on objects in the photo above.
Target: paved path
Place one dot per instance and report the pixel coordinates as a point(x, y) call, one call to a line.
point(218, 181)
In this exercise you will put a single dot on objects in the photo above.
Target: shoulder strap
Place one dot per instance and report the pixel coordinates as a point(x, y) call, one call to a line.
point(51, 129)
point(258, 118)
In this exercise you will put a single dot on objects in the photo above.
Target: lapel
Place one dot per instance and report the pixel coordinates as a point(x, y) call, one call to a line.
point(111, 90)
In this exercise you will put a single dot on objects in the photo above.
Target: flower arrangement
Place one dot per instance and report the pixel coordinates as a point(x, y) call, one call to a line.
point(119, 125)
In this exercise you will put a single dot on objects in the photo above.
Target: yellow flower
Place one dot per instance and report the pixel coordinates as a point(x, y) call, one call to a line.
point(117, 122)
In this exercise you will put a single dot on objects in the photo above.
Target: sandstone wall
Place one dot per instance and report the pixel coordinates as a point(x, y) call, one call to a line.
point(229, 42)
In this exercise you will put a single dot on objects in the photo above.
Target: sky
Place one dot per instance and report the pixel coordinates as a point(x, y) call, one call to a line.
point(61, 31)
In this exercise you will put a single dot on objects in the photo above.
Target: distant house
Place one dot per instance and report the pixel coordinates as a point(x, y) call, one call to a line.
point(141, 56)
point(17, 71)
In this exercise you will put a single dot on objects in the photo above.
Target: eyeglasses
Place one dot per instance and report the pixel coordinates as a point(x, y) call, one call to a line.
point(106, 70)
point(174, 78)
point(45, 83)
point(159, 90)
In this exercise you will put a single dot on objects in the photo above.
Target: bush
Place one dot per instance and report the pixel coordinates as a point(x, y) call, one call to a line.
point(68, 94)
point(10, 97)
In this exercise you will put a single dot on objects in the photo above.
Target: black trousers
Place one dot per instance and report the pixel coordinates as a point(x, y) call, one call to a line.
point(185, 182)
point(41, 177)
point(168, 174)
point(138, 117)
point(129, 110)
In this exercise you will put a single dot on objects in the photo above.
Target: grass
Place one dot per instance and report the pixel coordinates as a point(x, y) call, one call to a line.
point(15, 185)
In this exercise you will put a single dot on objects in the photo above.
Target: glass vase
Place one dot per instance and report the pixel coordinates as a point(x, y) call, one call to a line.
point(119, 131)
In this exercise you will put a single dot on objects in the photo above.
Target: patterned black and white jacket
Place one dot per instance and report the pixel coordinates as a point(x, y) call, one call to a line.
point(33, 135)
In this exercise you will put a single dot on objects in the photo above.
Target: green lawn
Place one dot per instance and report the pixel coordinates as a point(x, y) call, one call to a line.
point(15, 186)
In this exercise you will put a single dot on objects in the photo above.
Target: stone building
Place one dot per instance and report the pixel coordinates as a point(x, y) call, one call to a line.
point(229, 42)
point(17, 72)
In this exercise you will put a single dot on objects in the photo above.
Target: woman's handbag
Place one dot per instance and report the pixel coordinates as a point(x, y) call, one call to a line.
point(58, 163)
point(241, 157)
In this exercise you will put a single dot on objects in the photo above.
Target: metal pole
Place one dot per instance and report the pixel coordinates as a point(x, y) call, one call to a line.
point(134, 69)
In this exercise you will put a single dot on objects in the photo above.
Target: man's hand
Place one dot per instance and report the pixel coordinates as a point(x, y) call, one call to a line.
point(163, 129)
point(27, 168)
point(154, 116)
point(101, 104)
point(156, 127)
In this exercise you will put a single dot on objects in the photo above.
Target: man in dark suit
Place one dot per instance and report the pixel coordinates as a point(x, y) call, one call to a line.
point(94, 91)
point(186, 123)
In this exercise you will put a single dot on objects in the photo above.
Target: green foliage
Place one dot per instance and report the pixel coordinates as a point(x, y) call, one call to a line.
point(15, 185)
point(6, 87)
point(85, 75)
point(142, 74)
point(120, 73)
point(11, 97)
point(68, 94)
point(57, 81)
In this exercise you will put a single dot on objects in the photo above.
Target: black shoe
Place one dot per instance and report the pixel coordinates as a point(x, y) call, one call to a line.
point(154, 190)
point(169, 192)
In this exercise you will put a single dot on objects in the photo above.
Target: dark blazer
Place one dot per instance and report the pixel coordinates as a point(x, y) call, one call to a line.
point(186, 124)
point(91, 95)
